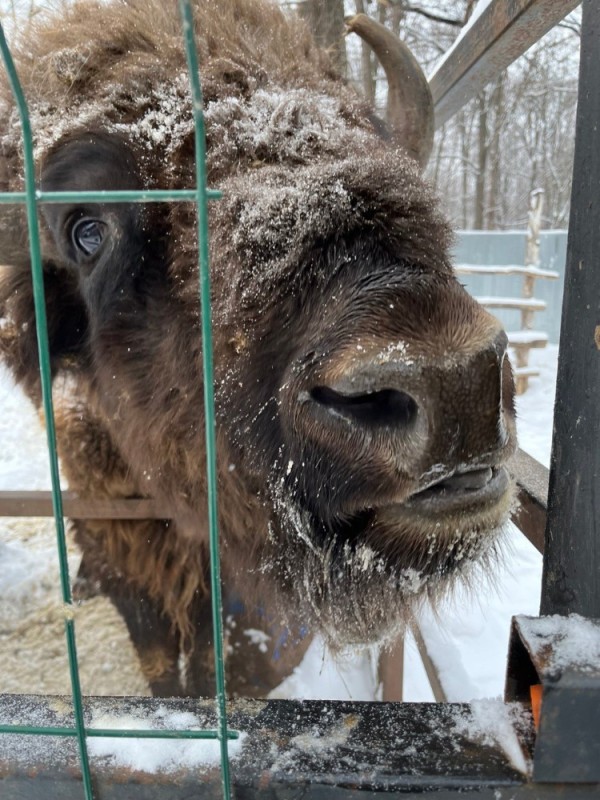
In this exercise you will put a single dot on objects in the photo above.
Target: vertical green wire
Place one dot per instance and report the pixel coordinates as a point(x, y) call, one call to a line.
point(209, 403)
point(46, 381)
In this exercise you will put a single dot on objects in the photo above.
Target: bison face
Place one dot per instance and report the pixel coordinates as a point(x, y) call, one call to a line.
point(377, 404)
point(364, 398)
point(364, 401)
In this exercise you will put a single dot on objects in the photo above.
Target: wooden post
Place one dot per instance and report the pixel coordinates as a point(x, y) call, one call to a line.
point(391, 672)
point(571, 579)
point(532, 250)
point(532, 259)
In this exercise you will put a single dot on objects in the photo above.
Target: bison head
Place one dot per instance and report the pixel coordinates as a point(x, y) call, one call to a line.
point(364, 399)
point(366, 393)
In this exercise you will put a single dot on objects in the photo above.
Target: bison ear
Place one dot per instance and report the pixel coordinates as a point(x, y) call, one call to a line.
point(410, 113)
point(66, 319)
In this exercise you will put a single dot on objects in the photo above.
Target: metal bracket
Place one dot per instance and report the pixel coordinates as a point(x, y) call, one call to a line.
point(562, 654)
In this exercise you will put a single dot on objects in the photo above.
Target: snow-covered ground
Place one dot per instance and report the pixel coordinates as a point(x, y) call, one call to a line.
point(467, 638)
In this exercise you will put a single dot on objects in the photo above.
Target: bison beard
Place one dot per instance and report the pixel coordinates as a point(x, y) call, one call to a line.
point(365, 404)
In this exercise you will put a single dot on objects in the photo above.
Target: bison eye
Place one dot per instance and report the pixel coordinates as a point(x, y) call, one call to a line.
point(87, 235)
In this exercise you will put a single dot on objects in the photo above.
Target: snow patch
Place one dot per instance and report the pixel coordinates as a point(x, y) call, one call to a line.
point(320, 676)
point(575, 641)
point(492, 722)
point(22, 570)
point(157, 755)
point(259, 638)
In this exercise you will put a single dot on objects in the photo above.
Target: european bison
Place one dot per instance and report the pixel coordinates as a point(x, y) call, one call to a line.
point(365, 404)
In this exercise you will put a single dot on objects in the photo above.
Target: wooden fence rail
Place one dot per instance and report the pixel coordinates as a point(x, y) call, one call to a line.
point(503, 32)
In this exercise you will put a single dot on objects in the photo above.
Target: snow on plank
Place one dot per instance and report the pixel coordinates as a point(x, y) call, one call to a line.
point(512, 302)
point(527, 338)
point(505, 269)
point(498, 33)
point(322, 745)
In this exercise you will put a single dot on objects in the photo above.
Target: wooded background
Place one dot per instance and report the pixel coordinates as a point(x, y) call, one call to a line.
point(516, 136)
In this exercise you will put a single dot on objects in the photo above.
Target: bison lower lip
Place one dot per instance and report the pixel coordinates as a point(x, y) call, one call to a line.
point(442, 496)
point(435, 500)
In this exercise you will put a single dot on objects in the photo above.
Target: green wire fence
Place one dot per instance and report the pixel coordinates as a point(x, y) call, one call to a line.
point(32, 197)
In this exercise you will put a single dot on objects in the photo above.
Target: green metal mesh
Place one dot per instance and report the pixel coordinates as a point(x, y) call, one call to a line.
point(200, 195)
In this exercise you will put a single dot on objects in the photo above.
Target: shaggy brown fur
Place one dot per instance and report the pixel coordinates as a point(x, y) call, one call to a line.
point(330, 271)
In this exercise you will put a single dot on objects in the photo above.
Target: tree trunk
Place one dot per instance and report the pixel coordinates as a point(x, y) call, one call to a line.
point(326, 20)
point(482, 158)
point(367, 65)
point(494, 189)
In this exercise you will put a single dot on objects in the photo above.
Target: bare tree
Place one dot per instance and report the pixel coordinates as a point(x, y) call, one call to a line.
point(326, 19)
point(515, 137)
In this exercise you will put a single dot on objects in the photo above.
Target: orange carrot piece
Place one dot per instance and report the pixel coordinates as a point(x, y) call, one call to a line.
point(536, 703)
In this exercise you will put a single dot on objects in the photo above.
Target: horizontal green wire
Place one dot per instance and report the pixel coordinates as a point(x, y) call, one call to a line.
point(106, 196)
point(123, 733)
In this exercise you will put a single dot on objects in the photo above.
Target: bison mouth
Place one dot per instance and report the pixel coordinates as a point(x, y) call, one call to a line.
point(436, 531)
point(469, 493)
point(364, 572)
point(462, 490)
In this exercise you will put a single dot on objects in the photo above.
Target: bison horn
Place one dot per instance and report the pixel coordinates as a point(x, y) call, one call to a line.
point(410, 105)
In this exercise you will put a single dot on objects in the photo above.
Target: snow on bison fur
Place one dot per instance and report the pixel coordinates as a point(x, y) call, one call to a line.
point(364, 401)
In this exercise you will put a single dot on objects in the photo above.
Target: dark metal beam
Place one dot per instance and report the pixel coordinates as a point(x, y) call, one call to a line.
point(503, 32)
point(313, 749)
point(571, 579)
point(291, 749)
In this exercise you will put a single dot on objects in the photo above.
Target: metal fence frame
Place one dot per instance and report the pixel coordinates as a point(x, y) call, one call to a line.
point(447, 762)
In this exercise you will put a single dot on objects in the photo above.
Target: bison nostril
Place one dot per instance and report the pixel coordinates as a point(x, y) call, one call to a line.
point(387, 407)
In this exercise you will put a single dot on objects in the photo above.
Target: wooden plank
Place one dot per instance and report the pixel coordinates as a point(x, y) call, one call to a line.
point(532, 485)
point(526, 372)
point(391, 672)
point(433, 676)
point(509, 269)
point(531, 476)
point(503, 32)
point(527, 338)
point(571, 581)
point(530, 517)
point(535, 344)
point(512, 302)
point(39, 504)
